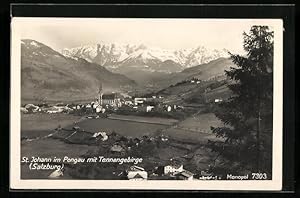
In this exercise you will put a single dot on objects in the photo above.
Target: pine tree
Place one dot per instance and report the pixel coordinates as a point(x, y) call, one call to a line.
point(248, 114)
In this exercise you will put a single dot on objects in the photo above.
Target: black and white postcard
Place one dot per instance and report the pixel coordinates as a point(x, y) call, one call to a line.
point(146, 103)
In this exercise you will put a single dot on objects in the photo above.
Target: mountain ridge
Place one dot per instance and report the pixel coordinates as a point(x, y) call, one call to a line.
point(48, 75)
point(115, 56)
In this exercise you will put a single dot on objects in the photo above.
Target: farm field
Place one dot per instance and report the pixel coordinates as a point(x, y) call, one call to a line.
point(195, 128)
point(189, 136)
point(220, 92)
point(122, 127)
point(150, 120)
point(41, 125)
point(200, 122)
point(44, 121)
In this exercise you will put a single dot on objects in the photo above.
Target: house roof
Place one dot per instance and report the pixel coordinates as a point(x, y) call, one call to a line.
point(175, 165)
point(111, 96)
point(116, 148)
point(138, 176)
point(136, 168)
point(186, 173)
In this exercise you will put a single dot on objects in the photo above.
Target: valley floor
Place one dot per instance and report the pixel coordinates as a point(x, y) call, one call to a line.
point(185, 138)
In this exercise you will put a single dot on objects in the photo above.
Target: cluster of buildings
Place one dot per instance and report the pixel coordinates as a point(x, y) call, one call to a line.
point(137, 173)
point(58, 108)
point(103, 102)
point(116, 101)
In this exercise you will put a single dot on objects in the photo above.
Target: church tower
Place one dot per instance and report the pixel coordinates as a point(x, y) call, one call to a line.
point(100, 94)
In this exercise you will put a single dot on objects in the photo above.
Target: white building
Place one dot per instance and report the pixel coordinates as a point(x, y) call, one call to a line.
point(56, 174)
point(169, 108)
point(24, 110)
point(218, 100)
point(88, 106)
point(55, 109)
point(128, 102)
point(138, 101)
point(137, 173)
point(98, 109)
point(31, 107)
point(103, 135)
point(149, 108)
point(173, 169)
point(95, 105)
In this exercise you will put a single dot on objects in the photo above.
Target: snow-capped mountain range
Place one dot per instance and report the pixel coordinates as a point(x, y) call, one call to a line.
point(122, 56)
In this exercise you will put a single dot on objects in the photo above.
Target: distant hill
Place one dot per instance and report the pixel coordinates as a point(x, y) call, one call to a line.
point(207, 71)
point(190, 92)
point(198, 84)
point(47, 75)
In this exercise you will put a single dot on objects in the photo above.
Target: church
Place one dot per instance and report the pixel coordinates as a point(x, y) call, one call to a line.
point(112, 99)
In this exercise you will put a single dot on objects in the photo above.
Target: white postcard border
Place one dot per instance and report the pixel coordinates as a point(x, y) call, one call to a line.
point(15, 128)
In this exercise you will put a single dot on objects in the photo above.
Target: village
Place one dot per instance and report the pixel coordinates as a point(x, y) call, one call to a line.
point(114, 102)
point(170, 158)
point(110, 102)
point(150, 165)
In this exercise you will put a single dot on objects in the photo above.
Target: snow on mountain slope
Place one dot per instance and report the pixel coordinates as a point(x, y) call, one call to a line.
point(115, 56)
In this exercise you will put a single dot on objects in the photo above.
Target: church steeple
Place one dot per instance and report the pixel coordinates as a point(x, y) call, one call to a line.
point(100, 93)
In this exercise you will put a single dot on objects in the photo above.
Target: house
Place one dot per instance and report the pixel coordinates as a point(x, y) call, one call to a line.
point(79, 106)
point(117, 148)
point(185, 175)
point(164, 138)
point(98, 109)
point(137, 173)
point(218, 100)
point(128, 102)
point(171, 169)
point(169, 108)
point(103, 135)
point(55, 109)
point(31, 108)
point(57, 173)
point(24, 110)
point(88, 106)
point(149, 108)
point(138, 101)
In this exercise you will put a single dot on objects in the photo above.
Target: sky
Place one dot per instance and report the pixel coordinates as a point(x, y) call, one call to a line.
point(60, 33)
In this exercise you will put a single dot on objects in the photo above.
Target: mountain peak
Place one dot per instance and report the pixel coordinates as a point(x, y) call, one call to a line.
point(115, 55)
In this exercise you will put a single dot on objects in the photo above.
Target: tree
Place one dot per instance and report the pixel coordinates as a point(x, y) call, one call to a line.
point(248, 114)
